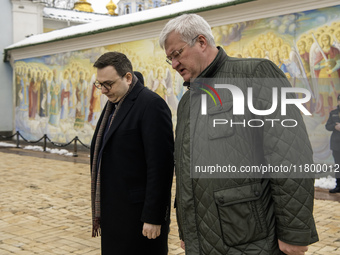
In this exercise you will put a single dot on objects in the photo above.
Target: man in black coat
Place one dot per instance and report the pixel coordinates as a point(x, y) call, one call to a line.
point(333, 124)
point(131, 163)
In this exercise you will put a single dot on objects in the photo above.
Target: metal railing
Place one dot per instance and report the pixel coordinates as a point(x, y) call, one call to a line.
point(46, 138)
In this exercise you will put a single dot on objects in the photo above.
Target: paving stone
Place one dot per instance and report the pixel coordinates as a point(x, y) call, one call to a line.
point(48, 210)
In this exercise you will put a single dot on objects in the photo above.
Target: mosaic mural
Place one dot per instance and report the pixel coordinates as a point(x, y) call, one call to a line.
point(55, 95)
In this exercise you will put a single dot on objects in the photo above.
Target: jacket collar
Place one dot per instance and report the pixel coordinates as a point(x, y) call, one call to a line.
point(211, 69)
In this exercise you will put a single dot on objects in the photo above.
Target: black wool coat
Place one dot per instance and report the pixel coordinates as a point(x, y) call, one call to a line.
point(334, 117)
point(136, 174)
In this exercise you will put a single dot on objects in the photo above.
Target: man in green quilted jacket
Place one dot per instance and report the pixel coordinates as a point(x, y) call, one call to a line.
point(237, 190)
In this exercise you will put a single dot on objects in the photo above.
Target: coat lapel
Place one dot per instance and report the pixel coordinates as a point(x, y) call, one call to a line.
point(124, 110)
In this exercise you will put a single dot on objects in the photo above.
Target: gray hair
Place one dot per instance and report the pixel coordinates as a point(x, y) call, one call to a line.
point(188, 26)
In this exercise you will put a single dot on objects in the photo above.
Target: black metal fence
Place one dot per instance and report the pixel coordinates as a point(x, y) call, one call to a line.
point(45, 138)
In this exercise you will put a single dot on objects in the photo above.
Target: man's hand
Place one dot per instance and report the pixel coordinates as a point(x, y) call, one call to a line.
point(151, 231)
point(290, 249)
point(182, 245)
point(337, 126)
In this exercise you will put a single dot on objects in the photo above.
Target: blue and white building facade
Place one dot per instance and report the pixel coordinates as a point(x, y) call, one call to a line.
point(132, 6)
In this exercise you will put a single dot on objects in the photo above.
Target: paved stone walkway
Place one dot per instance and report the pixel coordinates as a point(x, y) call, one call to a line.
point(45, 209)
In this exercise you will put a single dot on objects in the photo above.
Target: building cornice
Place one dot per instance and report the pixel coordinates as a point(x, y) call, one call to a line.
point(215, 15)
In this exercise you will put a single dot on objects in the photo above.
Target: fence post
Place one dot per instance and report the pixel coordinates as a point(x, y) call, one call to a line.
point(75, 147)
point(18, 139)
point(45, 138)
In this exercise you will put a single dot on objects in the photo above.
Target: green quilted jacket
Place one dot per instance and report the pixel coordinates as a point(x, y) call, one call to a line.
point(244, 215)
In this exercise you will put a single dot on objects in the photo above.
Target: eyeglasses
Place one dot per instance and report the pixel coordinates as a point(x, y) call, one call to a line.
point(176, 53)
point(106, 84)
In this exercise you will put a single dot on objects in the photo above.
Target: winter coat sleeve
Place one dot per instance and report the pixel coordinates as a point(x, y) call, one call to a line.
point(157, 135)
point(330, 125)
point(286, 146)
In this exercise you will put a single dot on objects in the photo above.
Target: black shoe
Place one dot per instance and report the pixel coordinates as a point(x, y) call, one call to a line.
point(335, 190)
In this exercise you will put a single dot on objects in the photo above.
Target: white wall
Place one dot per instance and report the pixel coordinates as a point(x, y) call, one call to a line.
point(59, 24)
point(27, 19)
point(6, 95)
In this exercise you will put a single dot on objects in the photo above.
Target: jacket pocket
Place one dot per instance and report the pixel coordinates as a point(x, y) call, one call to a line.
point(219, 118)
point(241, 214)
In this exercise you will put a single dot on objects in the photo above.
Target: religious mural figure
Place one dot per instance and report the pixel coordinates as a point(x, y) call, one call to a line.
point(269, 46)
point(38, 87)
point(246, 53)
point(87, 93)
point(162, 84)
point(80, 105)
point(337, 39)
point(275, 57)
point(296, 69)
point(304, 55)
point(54, 109)
point(17, 81)
point(170, 97)
point(258, 53)
point(326, 68)
point(65, 96)
point(73, 97)
point(158, 82)
point(278, 42)
point(23, 92)
point(309, 43)
point(287, 58)
point(179, 88)
point(94, 109)
point(33, 97)
point(43, 97)
point(48, 84)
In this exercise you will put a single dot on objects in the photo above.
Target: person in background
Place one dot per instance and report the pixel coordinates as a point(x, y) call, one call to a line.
point(333, 124)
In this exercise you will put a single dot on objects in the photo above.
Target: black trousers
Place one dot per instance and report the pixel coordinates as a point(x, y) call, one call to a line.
point(336, 156)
